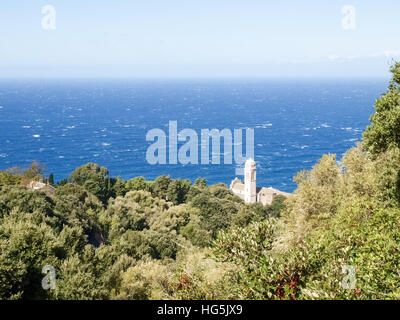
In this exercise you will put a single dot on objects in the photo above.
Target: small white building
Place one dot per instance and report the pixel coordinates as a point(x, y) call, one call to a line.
point(40, 186)
point(249, 192)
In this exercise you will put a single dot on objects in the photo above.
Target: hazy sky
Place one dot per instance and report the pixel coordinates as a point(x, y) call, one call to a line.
point(202, 38)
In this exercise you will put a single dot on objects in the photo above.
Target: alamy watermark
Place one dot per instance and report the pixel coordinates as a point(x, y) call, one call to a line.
point(349, 18)
point(49, 280)
point(49, 18)
point(167, 152)
point(349, 281)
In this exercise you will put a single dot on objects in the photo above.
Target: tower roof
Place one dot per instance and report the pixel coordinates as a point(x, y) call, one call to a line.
point(250, 162)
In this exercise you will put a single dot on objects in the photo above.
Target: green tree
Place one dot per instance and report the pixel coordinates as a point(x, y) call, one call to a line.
point(94, 179)
point(123, 214)
point(137, 184)
point(75, 206)
point(384, 131)
point(35, 171)
point(118, 187)
point(7, 178)
point(25, 201)
point(150, 279)
point(178, 190)
point(160, 186)
point(200, 183)
point(51, 179)
point(79, 277)
point(25, 248)
point(215, 214)
point(277, 206)
point(194, 232)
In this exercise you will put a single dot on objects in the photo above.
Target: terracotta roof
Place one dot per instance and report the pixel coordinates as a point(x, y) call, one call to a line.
point(271, 190)
point(238, 186)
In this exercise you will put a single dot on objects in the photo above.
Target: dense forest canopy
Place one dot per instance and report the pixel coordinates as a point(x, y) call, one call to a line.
point(108, 238)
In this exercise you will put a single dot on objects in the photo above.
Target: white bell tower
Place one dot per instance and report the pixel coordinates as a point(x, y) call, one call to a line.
point(250, 191)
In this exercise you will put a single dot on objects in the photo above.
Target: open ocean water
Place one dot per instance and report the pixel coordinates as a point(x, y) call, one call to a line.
point(65, 124)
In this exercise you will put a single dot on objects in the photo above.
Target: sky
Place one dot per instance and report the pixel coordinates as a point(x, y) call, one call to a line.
point(198, 38)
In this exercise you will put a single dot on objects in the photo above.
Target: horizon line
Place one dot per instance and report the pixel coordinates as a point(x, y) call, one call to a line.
point(305, 77)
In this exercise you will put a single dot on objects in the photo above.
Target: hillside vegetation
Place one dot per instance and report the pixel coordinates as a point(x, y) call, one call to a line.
point(108, 238)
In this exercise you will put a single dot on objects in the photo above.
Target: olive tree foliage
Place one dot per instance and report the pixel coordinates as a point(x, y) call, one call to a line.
point(160, 187)
point(362, 235)
point(200, 183)
point(149, 279)
point(138, 184)
point(384, 131)
point(35, 171)
point(198, 275)
point(7, 178)
point(342, 214)
point(79, 277)
point(94, 228)
point(75, 206)
point(21, 199)
point(95, 179)
point(324, 189)
point(175, 218)
point(244, 246)
point(20, 176)
point(122, 215)
point(314, 200)
point(26, 246)
point(178, 190)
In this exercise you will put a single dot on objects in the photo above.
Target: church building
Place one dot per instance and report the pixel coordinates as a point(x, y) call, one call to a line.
point(249, 191)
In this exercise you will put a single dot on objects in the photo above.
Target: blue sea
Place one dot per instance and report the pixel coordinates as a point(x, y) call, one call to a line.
point(67, 123)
